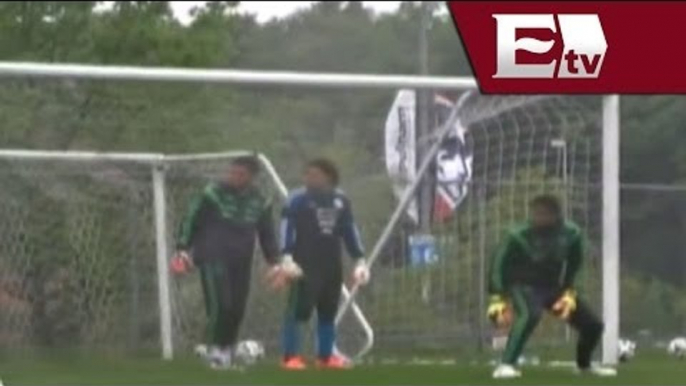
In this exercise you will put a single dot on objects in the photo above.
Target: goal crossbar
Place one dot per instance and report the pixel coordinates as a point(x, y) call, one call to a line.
point(80, 156)
point(311, 79)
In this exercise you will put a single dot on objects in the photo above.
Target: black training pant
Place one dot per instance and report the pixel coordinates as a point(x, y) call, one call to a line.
point(318, 290)
point(225, 285)
point(529, 302)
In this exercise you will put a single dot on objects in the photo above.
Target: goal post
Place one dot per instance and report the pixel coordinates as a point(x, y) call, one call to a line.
point(502, 127)
point(611, 227)
point(162, 254)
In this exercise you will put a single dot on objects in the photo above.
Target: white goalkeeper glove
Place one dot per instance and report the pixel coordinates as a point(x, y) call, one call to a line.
point(281, 274)
point(361, 274)
point(290, 268)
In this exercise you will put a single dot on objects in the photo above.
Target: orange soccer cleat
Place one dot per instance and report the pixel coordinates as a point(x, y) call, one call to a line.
point(294, 363)
point(336, 362)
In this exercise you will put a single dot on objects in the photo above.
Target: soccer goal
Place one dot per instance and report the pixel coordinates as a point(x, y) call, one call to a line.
point(86, 236)
point(94, 228)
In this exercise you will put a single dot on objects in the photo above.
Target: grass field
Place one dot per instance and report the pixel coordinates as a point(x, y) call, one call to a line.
point(653, 370)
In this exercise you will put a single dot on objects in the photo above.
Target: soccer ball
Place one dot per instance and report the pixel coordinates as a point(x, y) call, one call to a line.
point(249, 351)
point(627, 349)
point(677, 347)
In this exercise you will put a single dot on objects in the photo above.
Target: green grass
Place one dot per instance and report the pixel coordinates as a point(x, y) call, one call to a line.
point(657, 369)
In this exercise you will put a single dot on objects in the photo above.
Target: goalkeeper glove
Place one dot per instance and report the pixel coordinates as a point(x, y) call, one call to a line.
point(181, 263)
point(565, 305)
point(281, 274)
point(290, 268)
point(497, 310)
point(361, 274)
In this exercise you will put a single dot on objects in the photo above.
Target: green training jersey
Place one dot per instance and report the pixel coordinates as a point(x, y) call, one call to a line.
point(549, 258)
point(222, 223)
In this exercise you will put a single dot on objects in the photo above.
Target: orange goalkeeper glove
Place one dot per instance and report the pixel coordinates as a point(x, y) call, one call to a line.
point(181, 263)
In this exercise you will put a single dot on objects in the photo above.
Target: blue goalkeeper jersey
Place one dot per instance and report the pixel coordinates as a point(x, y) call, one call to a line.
point(314, 227)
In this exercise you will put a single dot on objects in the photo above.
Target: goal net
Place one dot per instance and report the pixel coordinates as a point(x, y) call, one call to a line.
point(78, 264)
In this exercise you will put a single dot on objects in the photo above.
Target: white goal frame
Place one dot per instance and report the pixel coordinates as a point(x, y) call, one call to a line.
point(610, 162)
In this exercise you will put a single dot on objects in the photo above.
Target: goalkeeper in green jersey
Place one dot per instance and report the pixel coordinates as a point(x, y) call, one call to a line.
point(218, 237)
point(534, 270)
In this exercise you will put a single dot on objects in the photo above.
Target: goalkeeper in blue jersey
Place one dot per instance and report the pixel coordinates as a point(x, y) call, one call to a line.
point(535, 270)
point(317, 221)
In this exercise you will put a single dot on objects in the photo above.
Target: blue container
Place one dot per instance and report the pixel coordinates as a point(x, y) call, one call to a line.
point(422, 250)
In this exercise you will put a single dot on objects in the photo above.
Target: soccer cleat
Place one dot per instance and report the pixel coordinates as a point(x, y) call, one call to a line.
point(219, 363)
point(202, 351)
point(337, 362)
point(221, 360)
point(599, 371)
point(294, 363)
point(504, 371)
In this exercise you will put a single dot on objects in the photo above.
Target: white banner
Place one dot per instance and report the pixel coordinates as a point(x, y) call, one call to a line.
point(401, 145)
point(453, 160)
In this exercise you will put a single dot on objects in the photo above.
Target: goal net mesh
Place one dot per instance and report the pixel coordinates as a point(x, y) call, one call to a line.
point(77, 264)
point(77, 254)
